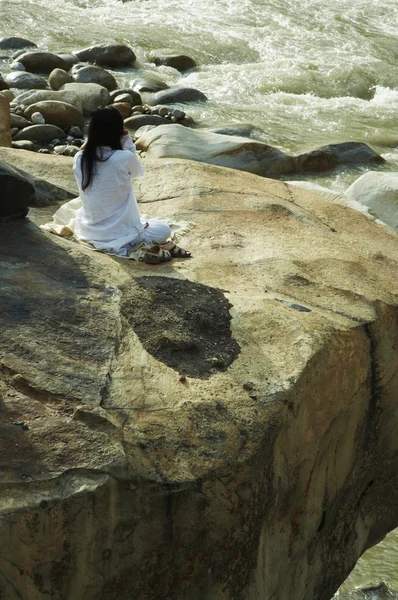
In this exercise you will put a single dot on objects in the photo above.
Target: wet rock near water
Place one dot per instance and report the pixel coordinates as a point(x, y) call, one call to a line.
point(58, 77)
point(82, 73)
point(148, 83)
point(42, 62)
point(133, 95)
point(91, 95)
point(116, 55)
point(181, 62)
point(15, 43)
point(26, 81)
point(333, 156)
point(179, 95)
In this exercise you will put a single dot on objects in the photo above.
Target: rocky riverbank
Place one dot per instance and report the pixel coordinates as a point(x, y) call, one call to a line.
point(123, 475)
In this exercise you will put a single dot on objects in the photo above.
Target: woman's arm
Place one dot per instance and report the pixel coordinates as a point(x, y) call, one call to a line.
point(135, 167)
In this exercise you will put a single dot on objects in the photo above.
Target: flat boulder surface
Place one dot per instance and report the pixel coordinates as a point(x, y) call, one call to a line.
point(221, 427)
point(91, 95)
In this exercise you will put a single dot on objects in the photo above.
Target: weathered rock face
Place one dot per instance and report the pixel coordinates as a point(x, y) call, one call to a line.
point(57, 113)
point(16, 194)
point(265, 476)
point(113, 55)
point(91, 95)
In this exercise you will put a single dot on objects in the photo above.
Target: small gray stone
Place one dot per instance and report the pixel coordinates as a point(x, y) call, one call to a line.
point(124, 98)
point(136, 98)
point(17, 66)
point(19, 122)
point(57, 78)
point(75, 132)
point(37, 118)
point(148, 83)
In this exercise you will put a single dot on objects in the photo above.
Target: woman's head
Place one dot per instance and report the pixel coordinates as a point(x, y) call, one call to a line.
point(105, 129)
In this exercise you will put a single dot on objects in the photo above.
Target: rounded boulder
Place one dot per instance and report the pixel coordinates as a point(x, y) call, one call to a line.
point(112, 55)
point(42, 134)
point(93, 74)
point(180, 95)
point(148, 83)
point(58, 78)
point(57, 113)
point(15, 43)
point(135, 97)
point(135, 122)
point(26, 81)
point(42, 62)
point(181, 62)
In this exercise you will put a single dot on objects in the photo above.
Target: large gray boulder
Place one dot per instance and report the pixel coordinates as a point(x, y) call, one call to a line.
point(233, 432)
point(107, 55)
point(57, 113)
point(25, 80)
point(91, 95)
point(42, 62)
point(82, 73)
point(16, 193)
point(177, 141)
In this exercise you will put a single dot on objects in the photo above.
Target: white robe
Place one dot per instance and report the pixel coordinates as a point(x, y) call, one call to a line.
point(109, 217)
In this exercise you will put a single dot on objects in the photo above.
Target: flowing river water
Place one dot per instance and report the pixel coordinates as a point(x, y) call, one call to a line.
point(303, 74)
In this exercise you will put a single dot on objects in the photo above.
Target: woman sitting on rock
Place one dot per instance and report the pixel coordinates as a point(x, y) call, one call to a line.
point(109, 217)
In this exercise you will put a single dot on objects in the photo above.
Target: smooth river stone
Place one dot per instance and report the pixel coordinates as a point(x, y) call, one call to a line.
point(26, 81)
point(58, 78)
point(42, 134)
point(19, 122)
point(135, 97)
point(123, 107)
point(135, 122)
point(91, 95)
point(42, 62)
point(93, 74)
point(15, 43)
point(116, 55)
point(148, 83)
point(336, 155)
point(181, 95)
point(57, 113)
point(181, 62)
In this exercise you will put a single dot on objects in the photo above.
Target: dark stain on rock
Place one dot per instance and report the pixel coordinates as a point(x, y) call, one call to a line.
point(183, 324)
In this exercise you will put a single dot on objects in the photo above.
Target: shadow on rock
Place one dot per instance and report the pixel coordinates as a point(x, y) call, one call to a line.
point(183, 324)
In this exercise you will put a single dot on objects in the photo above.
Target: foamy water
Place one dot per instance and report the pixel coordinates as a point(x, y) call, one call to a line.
point(304, 74)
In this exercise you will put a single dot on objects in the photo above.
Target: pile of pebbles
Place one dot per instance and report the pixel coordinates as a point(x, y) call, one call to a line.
point(52, 96)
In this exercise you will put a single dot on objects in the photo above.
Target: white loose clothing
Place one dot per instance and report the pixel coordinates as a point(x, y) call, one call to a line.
point(109, 217)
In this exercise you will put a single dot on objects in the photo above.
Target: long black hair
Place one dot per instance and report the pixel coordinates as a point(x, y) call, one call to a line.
point(105, 129)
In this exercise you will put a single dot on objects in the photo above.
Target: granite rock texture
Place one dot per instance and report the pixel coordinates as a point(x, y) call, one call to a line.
point(122, 477)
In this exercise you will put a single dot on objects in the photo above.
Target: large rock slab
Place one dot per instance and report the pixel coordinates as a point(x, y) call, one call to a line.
point(250, 155)
point(265, 476)
point(379, 193)
point(176, 141)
